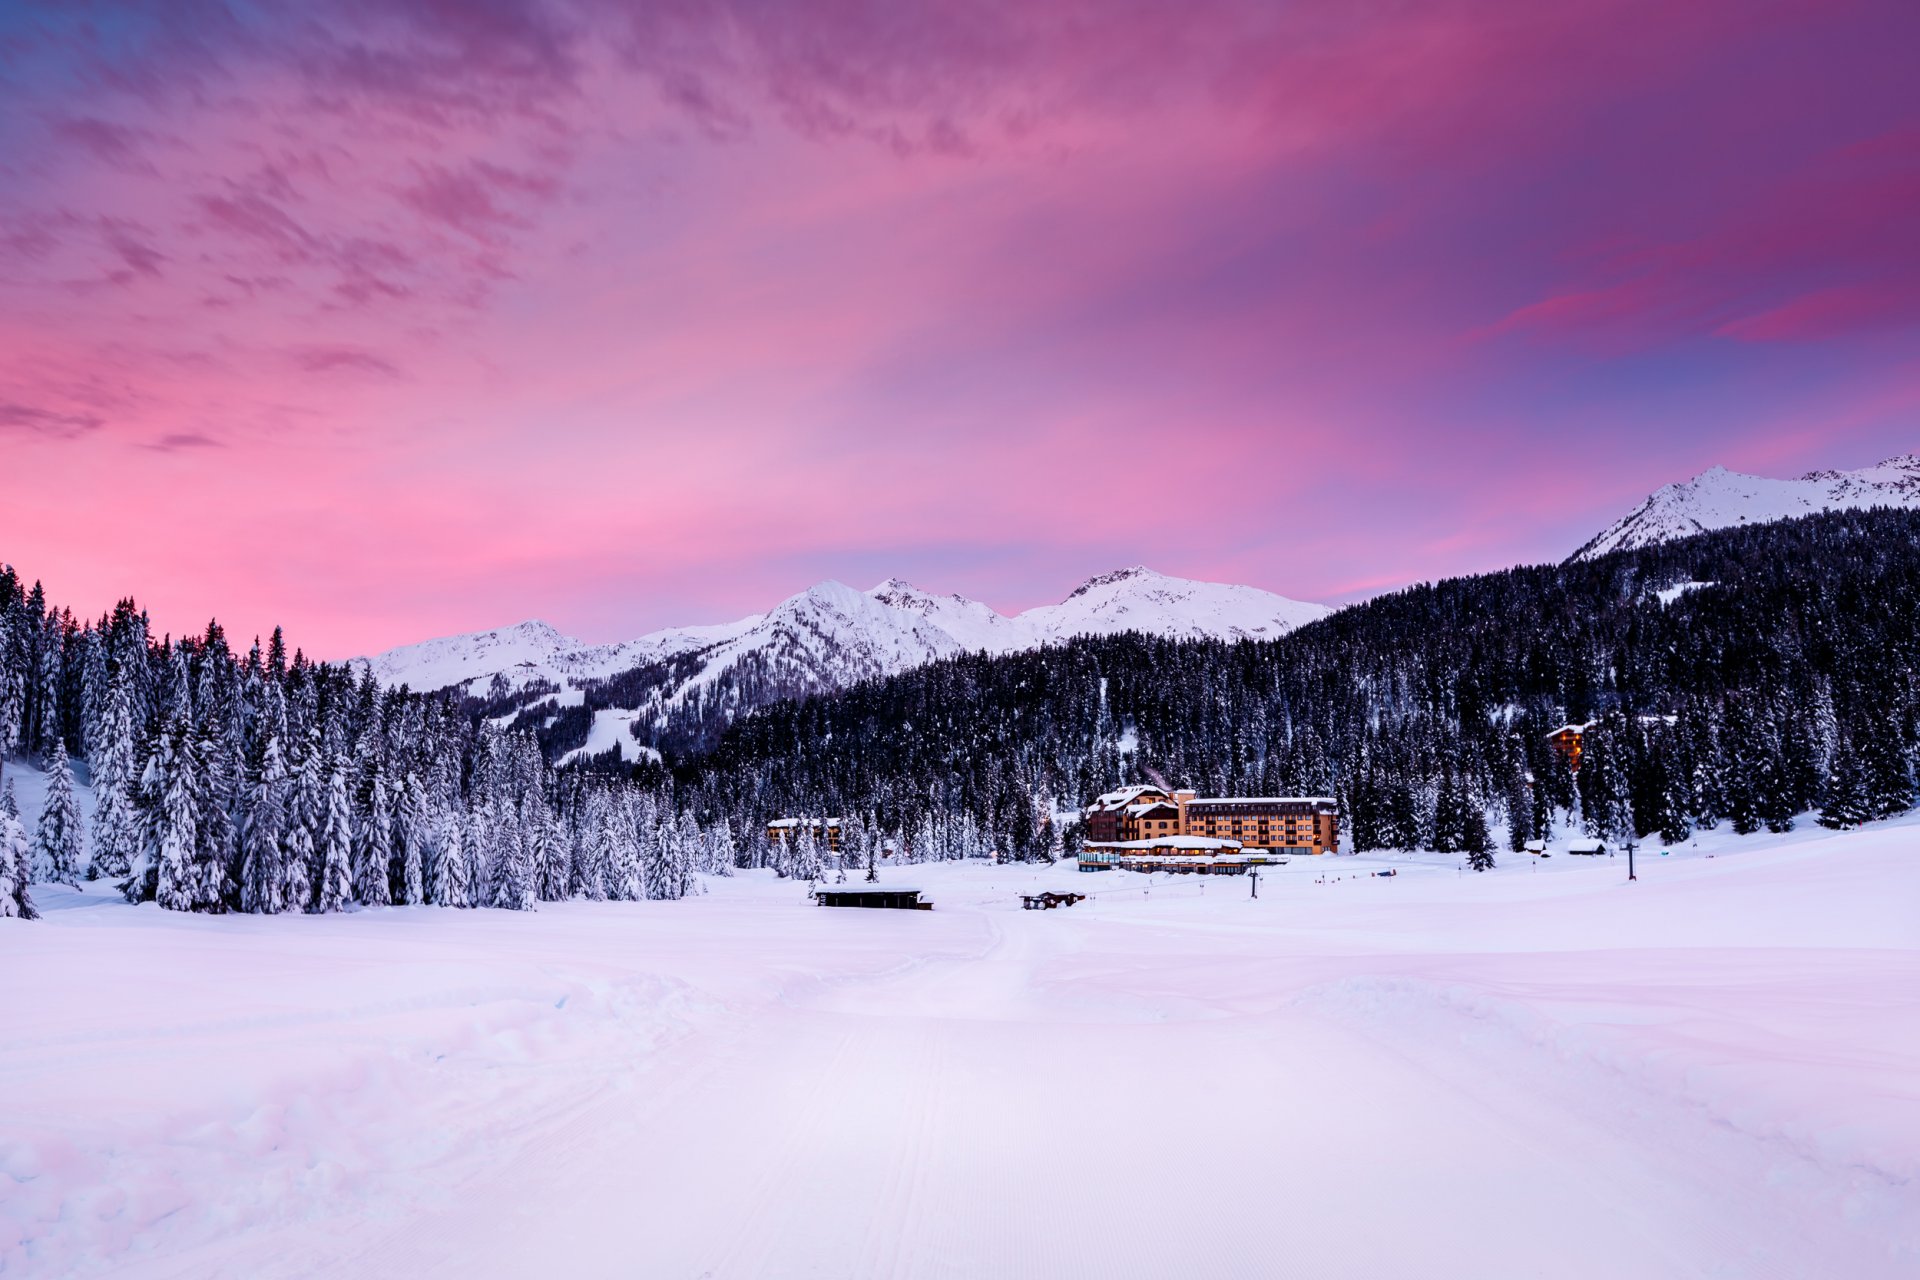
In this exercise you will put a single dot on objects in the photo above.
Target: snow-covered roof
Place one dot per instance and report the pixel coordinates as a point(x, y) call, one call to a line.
point(863, 887)
point(786, 824)
point(1121, 798)
point(1206, 800)
point(1169, 842)
point(1572, 728)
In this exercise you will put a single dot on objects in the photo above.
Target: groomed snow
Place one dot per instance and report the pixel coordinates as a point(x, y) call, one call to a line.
point(1539, 1071)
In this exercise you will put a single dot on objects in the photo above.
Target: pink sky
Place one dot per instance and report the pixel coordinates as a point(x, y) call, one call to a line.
point(388, 321)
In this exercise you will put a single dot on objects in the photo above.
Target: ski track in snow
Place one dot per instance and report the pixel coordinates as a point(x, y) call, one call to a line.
point(1540, 1071)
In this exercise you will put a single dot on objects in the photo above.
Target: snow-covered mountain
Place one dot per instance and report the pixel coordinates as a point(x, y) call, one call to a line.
point(1138, 599)
point(1720, 499)
point(827, 637)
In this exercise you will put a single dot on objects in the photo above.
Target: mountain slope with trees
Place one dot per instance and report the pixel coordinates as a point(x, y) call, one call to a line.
point(1742, 677)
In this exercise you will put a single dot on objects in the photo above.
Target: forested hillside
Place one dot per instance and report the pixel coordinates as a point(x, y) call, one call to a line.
point(1738, 677)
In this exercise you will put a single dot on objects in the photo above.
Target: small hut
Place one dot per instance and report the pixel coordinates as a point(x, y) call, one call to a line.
point(870, 895)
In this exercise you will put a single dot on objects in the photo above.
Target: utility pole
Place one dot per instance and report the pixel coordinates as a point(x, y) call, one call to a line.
point(1630, 874)
point(1253, 874)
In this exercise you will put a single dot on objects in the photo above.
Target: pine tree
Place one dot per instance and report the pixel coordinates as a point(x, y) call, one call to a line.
point(806, 854)
point(410, 830)
point(1889, 778)
point(16, 903)
point(1520, 815)
point(1844, 800)
point(57, 841)
point(373, 850)
point(116, 823)
point(302, 821)
point(512, 882)
point(452, 884)
point(263, 869)
point(722, 853)
point(181, 882)
point(333, 888)
point(625, 854)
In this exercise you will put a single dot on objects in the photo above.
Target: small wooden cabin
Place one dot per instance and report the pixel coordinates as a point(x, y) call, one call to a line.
point(870, 895)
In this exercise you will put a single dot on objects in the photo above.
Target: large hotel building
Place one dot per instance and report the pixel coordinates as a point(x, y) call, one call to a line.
point(1145, 818)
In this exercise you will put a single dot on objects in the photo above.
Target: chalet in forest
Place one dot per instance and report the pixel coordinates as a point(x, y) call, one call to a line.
point(1136, 819)
point(826, 832)
point(1566, 741)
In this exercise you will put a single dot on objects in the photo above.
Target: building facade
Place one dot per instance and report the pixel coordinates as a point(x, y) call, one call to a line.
point(826, 831)
point(1303, 825)
point(1566, 742)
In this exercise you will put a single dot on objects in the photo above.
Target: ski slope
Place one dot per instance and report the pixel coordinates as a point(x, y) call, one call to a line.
point(1539, 1071)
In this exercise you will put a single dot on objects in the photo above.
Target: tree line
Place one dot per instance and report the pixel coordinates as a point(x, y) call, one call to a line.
point(262, 782)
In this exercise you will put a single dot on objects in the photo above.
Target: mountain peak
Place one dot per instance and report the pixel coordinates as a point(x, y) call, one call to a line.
point(1718, 498)
point(1115, 576)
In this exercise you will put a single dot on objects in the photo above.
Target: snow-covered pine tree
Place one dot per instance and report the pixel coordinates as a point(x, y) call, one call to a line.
point(452, 882)
point(628, 827)
point(116, 823)
point(853, 846)
point(806, 854)
point(181, 876)
point(305, 812)
point(263, 859)
point(1844, 801)
point(373, 847)
point(687, 844)
point(552, 855)
point(723, 853)
point(593, 867)
point(411, 832)
point(514, 878)
point(1888, 774)
point(57, 839)
point(333, 881)
point(16, 903)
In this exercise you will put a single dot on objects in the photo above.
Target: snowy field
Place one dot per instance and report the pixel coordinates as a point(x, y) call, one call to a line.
point(1541, 1071)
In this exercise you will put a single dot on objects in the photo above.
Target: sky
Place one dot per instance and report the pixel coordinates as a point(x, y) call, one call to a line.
point(388, 320)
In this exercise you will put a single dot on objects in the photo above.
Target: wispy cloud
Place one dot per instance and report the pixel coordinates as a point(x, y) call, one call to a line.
point(55, 424)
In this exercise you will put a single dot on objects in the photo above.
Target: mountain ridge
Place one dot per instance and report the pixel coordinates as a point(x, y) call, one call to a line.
point(1719, 498)
point(818, 640)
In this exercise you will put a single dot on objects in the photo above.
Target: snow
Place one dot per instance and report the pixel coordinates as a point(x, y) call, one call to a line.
point(1668, 595)
point(1138, 599)
point(612, 727)
point(1719, 499)
point(1542, 1070)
